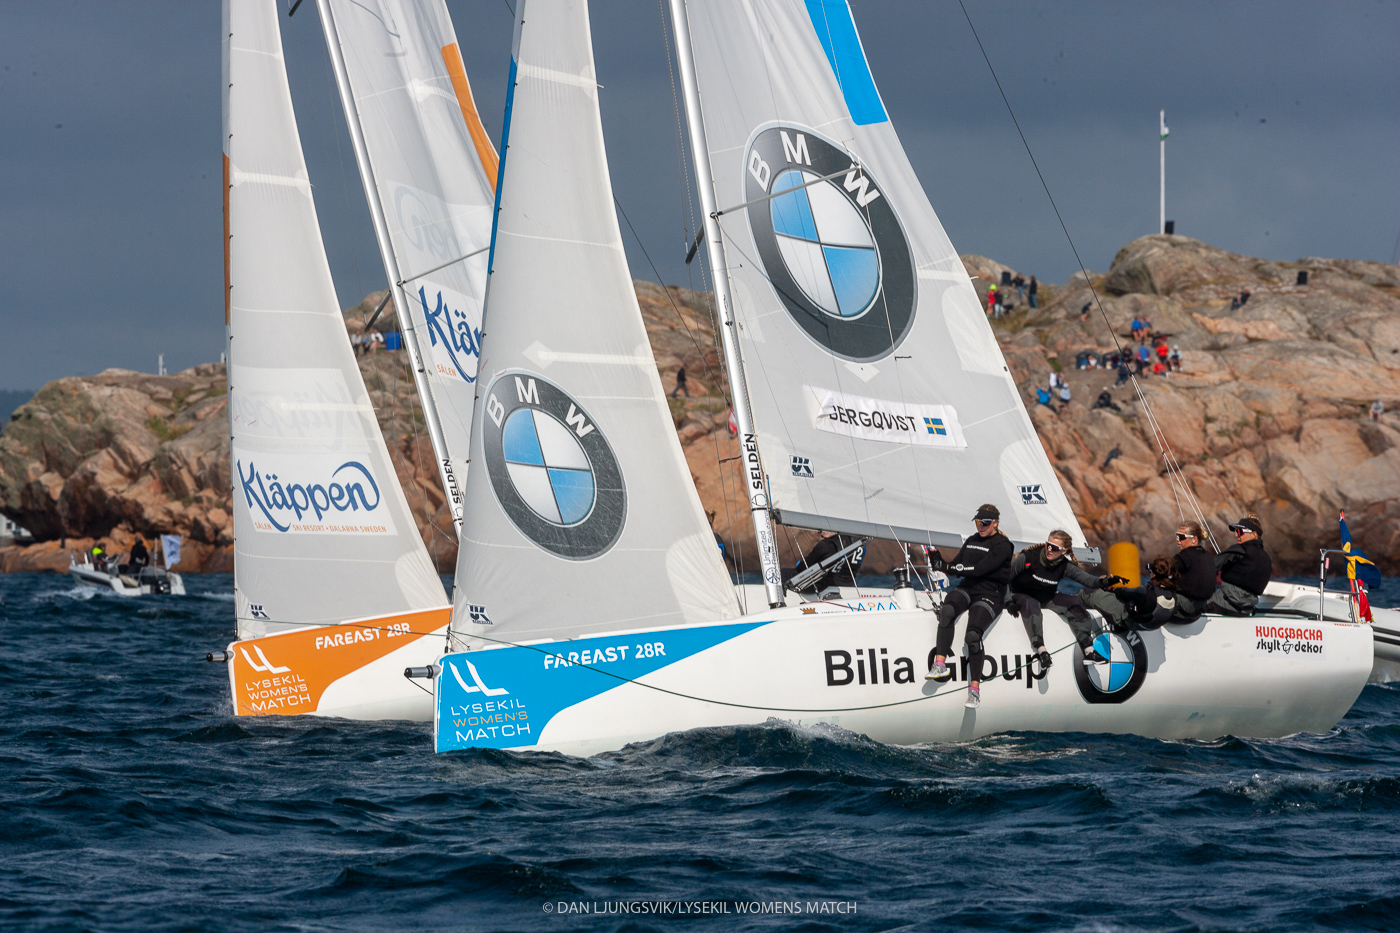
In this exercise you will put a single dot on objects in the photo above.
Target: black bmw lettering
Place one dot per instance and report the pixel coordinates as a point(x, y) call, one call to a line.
point(838, 662)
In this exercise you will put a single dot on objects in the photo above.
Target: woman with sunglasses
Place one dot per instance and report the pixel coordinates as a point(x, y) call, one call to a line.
point(1035, 581)
point(1196, 569)
point(1245, 568)
point(984, 563)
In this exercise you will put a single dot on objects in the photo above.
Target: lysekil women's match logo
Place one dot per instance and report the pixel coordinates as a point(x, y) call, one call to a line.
point(554, 474)
point(829, 242)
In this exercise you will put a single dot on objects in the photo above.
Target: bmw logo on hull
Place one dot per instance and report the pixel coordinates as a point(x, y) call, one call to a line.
point(552, 470)
point(833, 250)
point(1121, 677)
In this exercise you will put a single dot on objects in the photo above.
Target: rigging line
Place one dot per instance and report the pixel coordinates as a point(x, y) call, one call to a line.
point(1087, 278)
point(956, 690)
point(688, 219)
point(710, 375)
point(339, 157)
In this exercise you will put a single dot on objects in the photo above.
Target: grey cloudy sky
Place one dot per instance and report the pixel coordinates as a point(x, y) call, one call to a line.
point(1283, 116)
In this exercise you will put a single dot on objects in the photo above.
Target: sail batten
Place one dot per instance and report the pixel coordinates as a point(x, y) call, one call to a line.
point(882, 401)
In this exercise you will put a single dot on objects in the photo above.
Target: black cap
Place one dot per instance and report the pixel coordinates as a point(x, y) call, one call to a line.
point(1247, 524)
point(986, 513)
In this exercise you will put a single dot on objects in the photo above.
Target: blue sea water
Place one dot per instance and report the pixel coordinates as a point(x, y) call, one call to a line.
point(132, 799)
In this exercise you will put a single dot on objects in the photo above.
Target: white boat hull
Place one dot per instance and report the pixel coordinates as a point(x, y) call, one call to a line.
point(1337, 607)
point(122, 584)
point(1263, 676)
point(353, 670)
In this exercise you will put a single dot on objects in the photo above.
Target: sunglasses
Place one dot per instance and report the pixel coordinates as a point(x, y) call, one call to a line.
point(1182, 537)
point(984, 522)
point(1055, 547)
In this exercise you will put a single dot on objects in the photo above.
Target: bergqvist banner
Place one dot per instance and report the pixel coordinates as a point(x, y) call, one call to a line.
point(881, 420)
point(314, 493)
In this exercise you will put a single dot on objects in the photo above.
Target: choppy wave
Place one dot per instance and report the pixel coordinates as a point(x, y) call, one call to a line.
point(130, 799)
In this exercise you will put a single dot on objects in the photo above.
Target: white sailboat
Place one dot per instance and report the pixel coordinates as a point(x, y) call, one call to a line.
point(593, 605)
point(334, 590)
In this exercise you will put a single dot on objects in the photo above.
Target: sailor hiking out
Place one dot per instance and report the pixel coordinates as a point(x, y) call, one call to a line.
point(1036, 573)
point(1244, 568)
point(984, 563)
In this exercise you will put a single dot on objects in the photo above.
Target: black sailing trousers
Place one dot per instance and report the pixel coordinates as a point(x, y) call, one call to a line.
point(1072, 611)
point(981, 613)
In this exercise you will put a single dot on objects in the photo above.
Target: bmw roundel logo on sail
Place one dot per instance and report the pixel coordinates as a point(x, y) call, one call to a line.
point(554, 474)
point(832, 247)
point(1121, 677)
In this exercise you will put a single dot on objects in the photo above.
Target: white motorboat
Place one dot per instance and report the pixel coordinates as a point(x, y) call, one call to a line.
point(590, 600)
point(125, 580)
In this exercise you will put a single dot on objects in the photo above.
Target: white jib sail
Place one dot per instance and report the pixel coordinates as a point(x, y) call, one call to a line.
point(322, 530)
point(434, 171)
point(581, 515)
point(883, 403)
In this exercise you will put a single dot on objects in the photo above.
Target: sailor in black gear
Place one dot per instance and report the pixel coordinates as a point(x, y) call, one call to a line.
point(1141, 608)
point(984, 563)
point(1196, 569)
point(139, 557)
point(1036, 573)
point(843, 574)
point(1245, 568)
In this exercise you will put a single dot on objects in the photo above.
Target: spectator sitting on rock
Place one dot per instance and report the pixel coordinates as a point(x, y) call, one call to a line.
point(1159, 368)
point(1064, 395)
point(1105, 400)
point(1162, 351)
point(1042, 396)
point(1137, 329)
point(1144, 355)
point(1084, 311)
point(1124, 373)
point(1377, 409)
point(1174, 359)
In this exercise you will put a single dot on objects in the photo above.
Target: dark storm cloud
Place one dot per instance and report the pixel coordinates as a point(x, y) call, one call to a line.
point(1283, 120)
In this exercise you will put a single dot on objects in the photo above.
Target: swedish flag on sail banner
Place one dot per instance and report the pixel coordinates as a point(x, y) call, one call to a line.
point(1360, 570)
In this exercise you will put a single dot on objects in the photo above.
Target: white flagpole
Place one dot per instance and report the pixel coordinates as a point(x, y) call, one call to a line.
point(1162, 189)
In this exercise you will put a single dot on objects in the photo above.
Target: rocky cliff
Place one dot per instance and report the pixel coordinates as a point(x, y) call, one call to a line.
point(1268, 414)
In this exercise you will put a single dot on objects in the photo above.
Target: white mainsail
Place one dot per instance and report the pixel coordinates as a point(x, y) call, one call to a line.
point(322, 530)
point(580, 514)
point(882, 401)
point(431, 175)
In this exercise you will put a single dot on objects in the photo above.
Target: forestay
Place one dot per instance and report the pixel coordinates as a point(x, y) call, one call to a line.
point(883, 403)
point(322, 530)
point(580, 512)
point(434, 171)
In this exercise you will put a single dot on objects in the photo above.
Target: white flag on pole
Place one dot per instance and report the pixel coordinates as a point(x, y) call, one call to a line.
point(170, 545)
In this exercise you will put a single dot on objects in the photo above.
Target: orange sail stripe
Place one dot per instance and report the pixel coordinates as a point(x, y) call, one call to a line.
point(484, 150)
point(228, 283)
point(287, 673)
